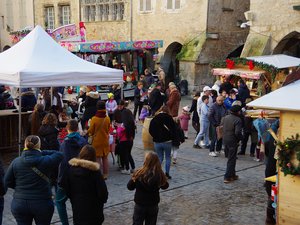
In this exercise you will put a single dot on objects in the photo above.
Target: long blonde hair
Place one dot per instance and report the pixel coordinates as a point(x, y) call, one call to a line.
point(150, 169)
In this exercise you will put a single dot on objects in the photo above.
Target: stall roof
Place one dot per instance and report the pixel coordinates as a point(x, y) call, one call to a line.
point(238, 72)
point(280, 61)
point(38, 61)
point(284, 99)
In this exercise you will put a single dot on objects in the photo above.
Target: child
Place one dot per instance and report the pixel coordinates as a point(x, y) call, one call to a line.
point(184, 120)
point(204, 124)
point(111, 106)
point(179, 139)
point(147, 181)
point(144, 113)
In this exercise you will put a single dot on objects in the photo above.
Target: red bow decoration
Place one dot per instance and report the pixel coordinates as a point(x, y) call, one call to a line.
point(251, 65)
point(229, 63)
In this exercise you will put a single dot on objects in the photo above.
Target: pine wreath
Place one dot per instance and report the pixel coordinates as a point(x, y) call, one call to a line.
point(289, 150)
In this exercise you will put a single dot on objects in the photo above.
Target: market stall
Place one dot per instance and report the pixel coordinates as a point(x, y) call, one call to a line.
point(262, 74)
point(287, 102)
point(38, 61)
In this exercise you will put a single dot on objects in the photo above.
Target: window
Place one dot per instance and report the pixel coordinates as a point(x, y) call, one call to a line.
point(145, 5)
point(102, 10)
point(49, 17)
point(173, 4)
point(65, 17)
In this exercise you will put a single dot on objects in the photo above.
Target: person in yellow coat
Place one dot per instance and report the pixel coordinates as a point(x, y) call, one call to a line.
point(99, 131)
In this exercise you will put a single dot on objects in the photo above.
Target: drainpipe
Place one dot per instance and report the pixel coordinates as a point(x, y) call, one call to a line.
point(33, 9)
point(131, 19)
point(79, 9)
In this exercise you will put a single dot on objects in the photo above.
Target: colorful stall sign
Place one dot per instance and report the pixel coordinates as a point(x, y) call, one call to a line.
point(102, 47)
point(71, 46)
point(64, 32)
point(242, 73)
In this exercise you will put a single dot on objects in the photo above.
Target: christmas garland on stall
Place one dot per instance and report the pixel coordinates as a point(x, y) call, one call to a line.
point(229, 63)
point(289, 150)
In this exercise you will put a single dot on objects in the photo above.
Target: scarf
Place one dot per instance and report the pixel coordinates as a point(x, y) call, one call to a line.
point(101, 113)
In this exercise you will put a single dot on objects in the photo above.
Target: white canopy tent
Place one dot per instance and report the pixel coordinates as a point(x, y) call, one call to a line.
point(38, 61)
point(280, 61)
point(284, 98)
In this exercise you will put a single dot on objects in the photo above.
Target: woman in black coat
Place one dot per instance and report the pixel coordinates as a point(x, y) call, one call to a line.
point(86, 188)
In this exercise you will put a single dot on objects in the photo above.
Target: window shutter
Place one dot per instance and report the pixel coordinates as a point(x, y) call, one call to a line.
point(141, 5)
point(177, 4)
point(148, 5)
point(169, 4)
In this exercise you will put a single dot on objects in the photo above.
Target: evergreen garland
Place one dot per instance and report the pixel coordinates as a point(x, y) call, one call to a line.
point(243, 61)
point(288, 150)
point(20, 33)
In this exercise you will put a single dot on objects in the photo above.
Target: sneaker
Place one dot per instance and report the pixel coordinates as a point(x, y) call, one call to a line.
point(241, 153)
point(213, 154)
point(174, 161)
point(127, 172)
point(256, 159)
point(168, 176)
point(227, 181)
point(218, 152)
point(252, 155)
point(197, 146)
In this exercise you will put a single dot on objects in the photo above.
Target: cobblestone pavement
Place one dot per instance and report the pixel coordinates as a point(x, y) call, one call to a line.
point(196, 196)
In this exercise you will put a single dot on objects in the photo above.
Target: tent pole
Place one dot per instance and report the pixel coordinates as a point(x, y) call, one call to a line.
point(20, 121)
point(51, 95)
point(122, 91)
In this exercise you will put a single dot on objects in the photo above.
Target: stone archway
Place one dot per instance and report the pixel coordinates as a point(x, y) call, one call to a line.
point(289, 45)
point(170, 63)
point(236, 52)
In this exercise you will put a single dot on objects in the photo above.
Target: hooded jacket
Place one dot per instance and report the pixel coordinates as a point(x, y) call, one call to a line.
point(87, 191)
point(28, 184)
point(48, 135)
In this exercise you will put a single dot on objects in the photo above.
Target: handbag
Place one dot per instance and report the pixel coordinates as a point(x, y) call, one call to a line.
point(91, 138)
point(219, 131)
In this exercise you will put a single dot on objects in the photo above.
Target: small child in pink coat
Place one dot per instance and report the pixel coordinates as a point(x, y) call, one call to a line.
point(184, 120)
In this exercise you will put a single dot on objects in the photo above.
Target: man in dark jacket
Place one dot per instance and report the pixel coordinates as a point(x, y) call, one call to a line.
point(163, 130)
point(232, 134)
point(243, 91)
point(216, 112)
point(226, 86)
point(156, 99)
point(70, 148)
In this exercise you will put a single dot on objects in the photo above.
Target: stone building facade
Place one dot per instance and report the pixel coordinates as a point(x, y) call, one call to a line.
point(14, 15)
point(274, 28)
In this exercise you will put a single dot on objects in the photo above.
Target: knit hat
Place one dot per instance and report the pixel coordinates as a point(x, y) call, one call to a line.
point(236, 108)
point(109, 95)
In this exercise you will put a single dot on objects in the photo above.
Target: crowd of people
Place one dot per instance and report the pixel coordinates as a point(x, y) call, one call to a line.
point(70, 153)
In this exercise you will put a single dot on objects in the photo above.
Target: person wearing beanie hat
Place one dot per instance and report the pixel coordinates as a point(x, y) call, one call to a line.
point(232, 135)
point(111, 106)
point(28, 175)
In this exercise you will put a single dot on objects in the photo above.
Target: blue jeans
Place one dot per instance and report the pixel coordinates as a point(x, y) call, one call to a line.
point(164, 149)
point(203, 133)
point(60, 202)
point(25, 211)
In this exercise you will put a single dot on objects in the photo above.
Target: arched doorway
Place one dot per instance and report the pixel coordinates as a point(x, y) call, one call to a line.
point(236, 53)
point(289, 45)
point(170, 63)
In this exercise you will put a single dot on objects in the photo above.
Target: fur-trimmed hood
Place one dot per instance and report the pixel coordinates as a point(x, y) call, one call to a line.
point(84, 164)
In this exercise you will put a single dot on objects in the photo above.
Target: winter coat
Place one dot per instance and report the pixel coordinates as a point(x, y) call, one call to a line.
point(90, 108)
point(8, 100)
point(48, 135)
point(204, 113)
point(184, 121)
point(146, 194)
point(99, 129)
point(28, 101)
point(216, 113)
point(193, 110)
point(156, 100)
point(174, 102)
point(228, 102)
point(162, 128)
point(232, 129)
point(139, 95)
point(226, 86)
point(243, 93)
point(111, 106)
point(2, 188)
point(149, 79)
point(27, 183)
point(86, 190)
point(70, 148)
